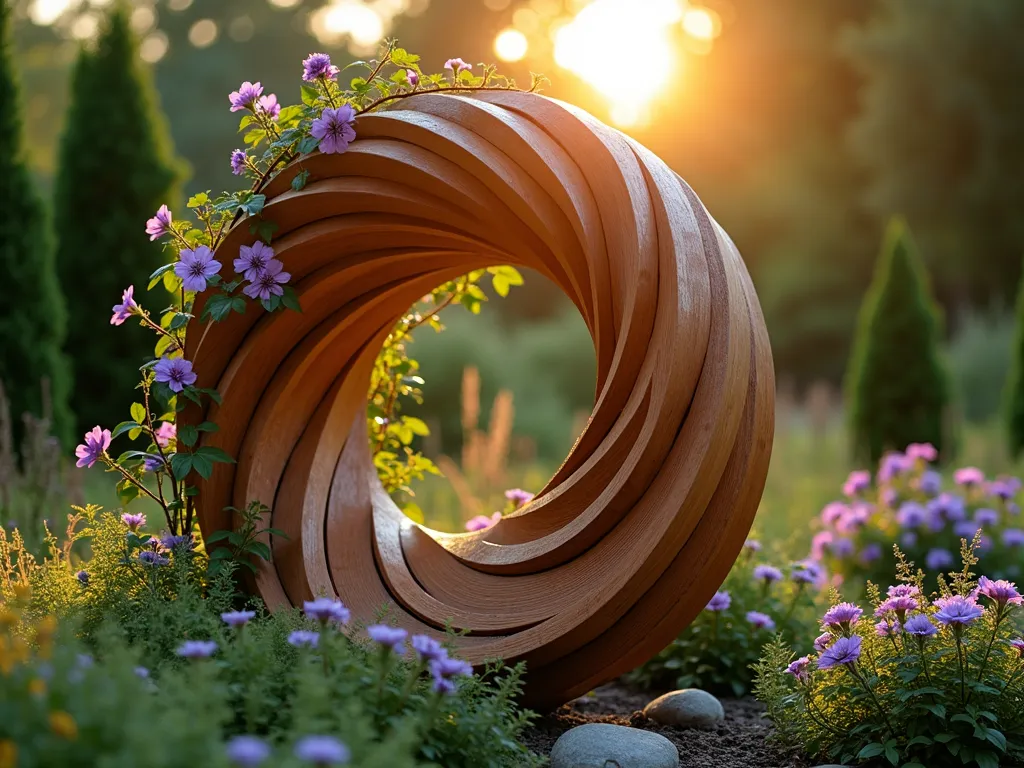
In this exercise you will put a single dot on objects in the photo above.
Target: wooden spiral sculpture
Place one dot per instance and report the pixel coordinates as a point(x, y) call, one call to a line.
point(640, 525)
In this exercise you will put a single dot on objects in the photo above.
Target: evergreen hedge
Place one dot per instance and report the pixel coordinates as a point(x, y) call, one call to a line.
point(33, 318)
point(116, 168)
point(1014, 394)
point(897, 387)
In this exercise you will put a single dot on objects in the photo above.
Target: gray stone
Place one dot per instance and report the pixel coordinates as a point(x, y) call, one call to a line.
point(688, 708)
point(602, 745)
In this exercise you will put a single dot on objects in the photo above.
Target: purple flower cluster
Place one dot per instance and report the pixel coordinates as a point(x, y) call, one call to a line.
point(304, 638)
point(957, 611)
point(326, 610)
point(197, 649)
point(237, 618)
point(322, 750)
point(720, 602)
point(266, 275)
point(318, 65)
point(483, 522)
point(518, 496)
point(247, 751)
point(842, 616)
point(335, 128)
point(767, 573)
point(133, 521)
point(759, 620)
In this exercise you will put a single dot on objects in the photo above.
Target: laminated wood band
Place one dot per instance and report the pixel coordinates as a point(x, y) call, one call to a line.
point(640, 524)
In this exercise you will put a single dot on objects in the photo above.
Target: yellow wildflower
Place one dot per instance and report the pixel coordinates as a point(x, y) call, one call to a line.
point(63, 725)
point(8, 754)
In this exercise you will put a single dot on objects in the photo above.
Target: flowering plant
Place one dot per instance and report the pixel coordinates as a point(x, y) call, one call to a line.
point(756, 601)
point(274, 136)
point(906, 502)
point(931, 680)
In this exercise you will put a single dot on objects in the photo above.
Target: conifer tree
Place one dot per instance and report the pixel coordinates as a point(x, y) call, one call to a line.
point(116, 169)
point(1014, 394)
point(32, 312)
point(897, 386)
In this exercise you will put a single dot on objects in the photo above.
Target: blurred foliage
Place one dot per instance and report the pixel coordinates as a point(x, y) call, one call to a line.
point(1014, 395)
point(34, 319)
point(897, 388)
point(116, 169)
point(979, 361)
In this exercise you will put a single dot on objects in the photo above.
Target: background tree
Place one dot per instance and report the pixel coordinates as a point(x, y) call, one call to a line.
point(33, 318)
point(897, 387)
point(116, 168)
point(1014, 395)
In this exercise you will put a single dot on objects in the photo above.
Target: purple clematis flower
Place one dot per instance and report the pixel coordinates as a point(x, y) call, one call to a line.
point(304, 638)
point(335, 129)
point(482, 522)
point(518, 496)
point(133, 521)
point(456, 65)
point(388, 637)
point(413, 77)
point(195, 267)
point(920, 626)
point(160, 224)
point(165, 433)
point(253, 259)
point(845, 650)
point(322, 750)
point(759, 620)
point(798, 668)
point(126, 308)
point(858, 482)
point(318, 65)
point(720, 602)
point(238, 158)
point(197, 649)
point(843, 615)
point(237, 618)
point(767, 573)
point(1001, 592)
point(175, 372)
point(245, 97)
point(969, 477)
point(247, 751)
point(957, 610)
point(268, 283)
point(96, 443)
point(268, 105)
point(938, 558)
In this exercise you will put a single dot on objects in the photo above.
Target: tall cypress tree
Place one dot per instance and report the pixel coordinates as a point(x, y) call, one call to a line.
point(897, 385)
point(116, 168)
point(1014, 394)
point(32, 313)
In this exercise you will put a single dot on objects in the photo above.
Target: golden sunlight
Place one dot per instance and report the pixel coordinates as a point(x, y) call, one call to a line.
point(701, 23)
point(624, 49)
point(510, 45)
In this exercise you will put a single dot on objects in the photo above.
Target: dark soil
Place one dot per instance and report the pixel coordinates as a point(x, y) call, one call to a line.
point(739, 742)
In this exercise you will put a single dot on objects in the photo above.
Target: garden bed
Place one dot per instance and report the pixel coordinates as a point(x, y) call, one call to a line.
point(739, 742)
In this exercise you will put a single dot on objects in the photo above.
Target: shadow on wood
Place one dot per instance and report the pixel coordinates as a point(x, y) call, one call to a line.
point(641, 523)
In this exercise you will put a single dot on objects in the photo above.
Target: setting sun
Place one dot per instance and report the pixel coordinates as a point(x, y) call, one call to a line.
point(510, 45)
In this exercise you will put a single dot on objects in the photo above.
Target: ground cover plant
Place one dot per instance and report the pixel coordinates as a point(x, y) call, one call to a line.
point(120, 620)
point(935, 678)
point(757, 601)
point(909, 502)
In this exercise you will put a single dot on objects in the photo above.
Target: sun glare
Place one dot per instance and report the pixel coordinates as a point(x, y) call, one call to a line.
point(510, 45)
point(623, 48)
point(701, 23)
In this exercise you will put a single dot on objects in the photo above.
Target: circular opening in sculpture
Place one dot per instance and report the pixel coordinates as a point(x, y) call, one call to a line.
point(477, 396)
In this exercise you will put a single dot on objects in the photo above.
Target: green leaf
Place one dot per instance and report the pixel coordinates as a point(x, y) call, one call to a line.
point(892, 755)
point(138, 412)
point(188, 435)
point(127, 492)
point(208, 426)
point(919, 740)
point(259, 549)
point(997, 738)
point(290, 299)
point(255, 136)
point(181, 465)
point(198, 199)
point(180, 319)
point(942, 738)
point(202, 465)
point(870, 750)
point(310, 95)
point(939, 710)
point(214, 454)
point(217, 536)
point(213, 394)
point(300, 179)
point(221, 553)
point(307, 145)
point(416, 426)
point(159, 271)
point(218, 306)
point(124, 426)
point(402, 58)
point(986, 760)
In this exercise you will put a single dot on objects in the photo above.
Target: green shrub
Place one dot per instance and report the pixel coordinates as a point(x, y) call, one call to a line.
point(125, 614)
point(34, 320)
point(979, 359)
point(938, 681)
point(897, 387)
point(1014, 394)
point(116, 168)
point(716, 651)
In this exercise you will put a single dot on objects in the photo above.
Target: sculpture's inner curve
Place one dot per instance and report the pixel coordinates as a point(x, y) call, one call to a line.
point(641, 522)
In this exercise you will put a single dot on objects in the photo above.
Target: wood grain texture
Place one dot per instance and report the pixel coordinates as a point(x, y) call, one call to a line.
point(640, 524)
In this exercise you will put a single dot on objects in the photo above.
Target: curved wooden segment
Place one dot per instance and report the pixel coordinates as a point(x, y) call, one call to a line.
point(640, 524)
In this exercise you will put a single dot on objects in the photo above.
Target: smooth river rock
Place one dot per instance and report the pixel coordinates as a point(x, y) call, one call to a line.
point(602, 745)
point(688, 708)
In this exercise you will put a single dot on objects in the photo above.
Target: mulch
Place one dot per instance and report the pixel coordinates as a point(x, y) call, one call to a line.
point(741, 741)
